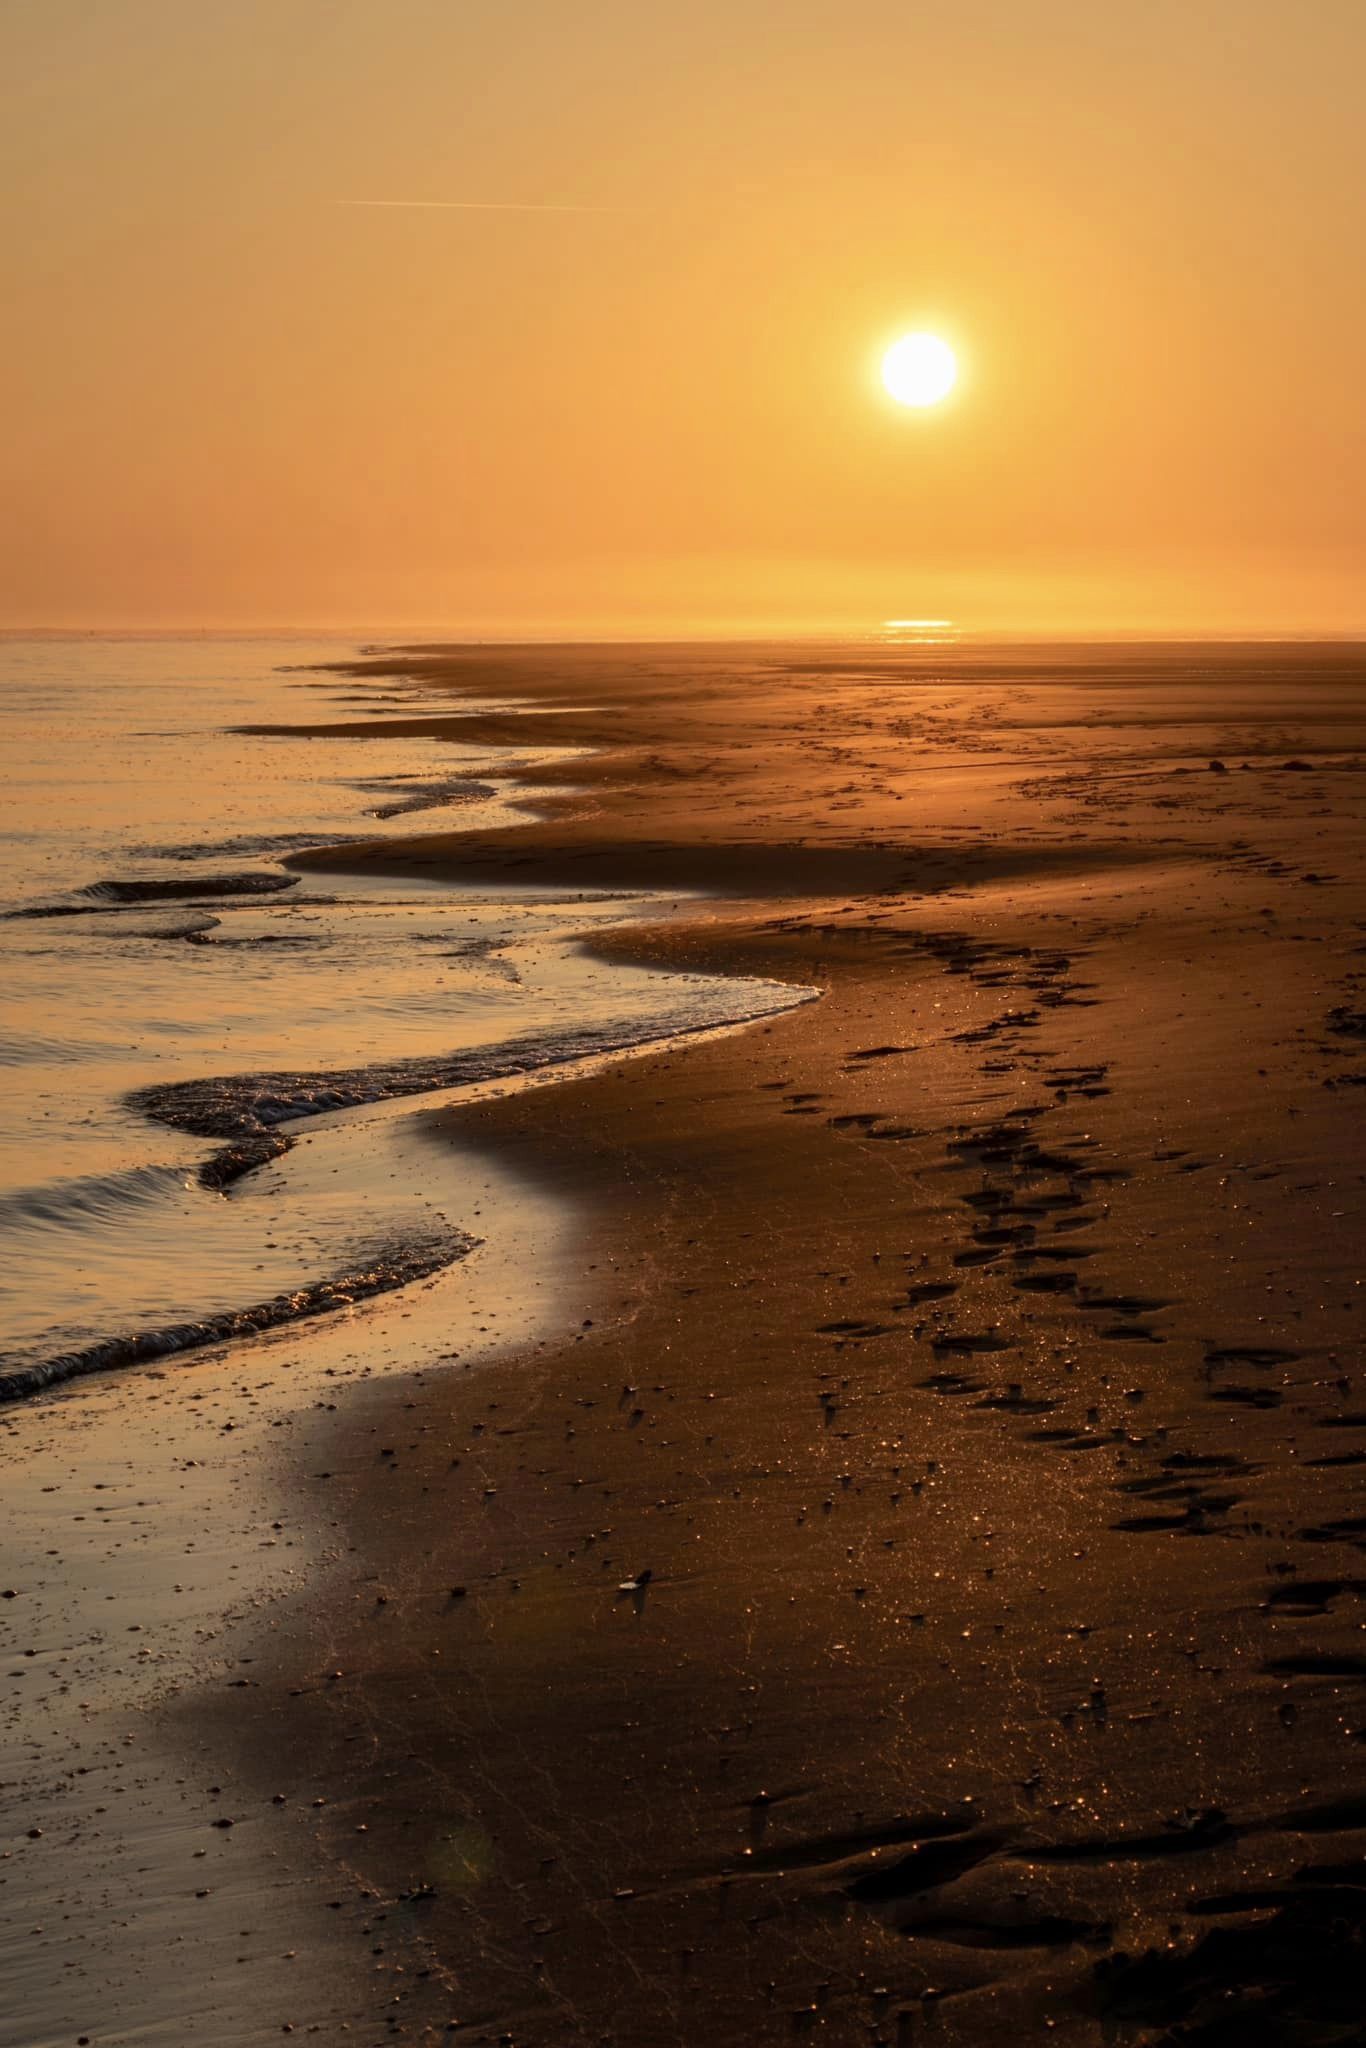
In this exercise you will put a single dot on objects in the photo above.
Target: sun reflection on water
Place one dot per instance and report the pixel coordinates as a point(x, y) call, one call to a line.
point(920, 632)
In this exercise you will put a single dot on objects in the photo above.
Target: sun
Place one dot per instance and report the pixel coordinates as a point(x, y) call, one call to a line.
point(919, 370)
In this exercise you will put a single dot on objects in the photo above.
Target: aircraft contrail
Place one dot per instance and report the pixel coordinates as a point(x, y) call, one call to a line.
point(485, 205)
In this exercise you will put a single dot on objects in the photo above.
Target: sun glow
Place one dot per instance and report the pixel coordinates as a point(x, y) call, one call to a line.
point(919, 370)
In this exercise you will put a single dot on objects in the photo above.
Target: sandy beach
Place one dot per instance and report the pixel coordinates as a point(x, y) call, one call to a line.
point(683, 945)
point(882, 1562)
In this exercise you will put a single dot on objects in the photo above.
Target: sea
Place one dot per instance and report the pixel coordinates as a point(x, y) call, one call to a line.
point(179, 1004)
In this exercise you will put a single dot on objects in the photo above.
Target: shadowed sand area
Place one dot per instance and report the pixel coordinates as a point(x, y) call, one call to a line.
point(906, 1581)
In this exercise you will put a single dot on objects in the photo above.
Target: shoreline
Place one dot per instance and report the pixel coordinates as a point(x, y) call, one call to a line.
point(849, 1588)
point(130, 1206)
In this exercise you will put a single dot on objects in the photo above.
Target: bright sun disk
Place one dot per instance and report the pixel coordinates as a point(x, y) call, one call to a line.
point(920, 369)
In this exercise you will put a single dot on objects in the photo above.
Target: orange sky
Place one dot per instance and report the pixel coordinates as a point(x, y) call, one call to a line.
point(235, 400)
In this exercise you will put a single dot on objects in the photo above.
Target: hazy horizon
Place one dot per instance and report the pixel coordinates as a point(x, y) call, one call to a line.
point(568, 323)
point(392, 633)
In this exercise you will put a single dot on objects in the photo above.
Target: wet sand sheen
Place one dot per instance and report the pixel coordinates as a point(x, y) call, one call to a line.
point(150, 1528)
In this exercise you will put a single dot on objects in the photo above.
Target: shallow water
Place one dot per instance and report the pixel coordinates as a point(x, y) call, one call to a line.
point(168, 983)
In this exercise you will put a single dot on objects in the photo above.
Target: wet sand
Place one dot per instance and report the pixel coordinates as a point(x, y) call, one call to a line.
point(909, 1582)
point(158, 1528)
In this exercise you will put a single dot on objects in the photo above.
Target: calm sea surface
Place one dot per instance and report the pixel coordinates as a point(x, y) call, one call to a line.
point(171, 991)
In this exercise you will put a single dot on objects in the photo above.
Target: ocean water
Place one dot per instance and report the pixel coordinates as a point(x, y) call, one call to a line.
point(177, 1004)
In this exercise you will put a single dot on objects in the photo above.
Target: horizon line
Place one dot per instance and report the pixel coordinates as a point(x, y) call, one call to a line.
point(886, 632)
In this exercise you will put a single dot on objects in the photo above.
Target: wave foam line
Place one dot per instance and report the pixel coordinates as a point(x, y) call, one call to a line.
point(392, 1267)
point(247, 1106)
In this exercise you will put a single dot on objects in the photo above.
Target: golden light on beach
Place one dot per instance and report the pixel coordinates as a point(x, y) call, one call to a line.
point(682, 890)
point(919, 370)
